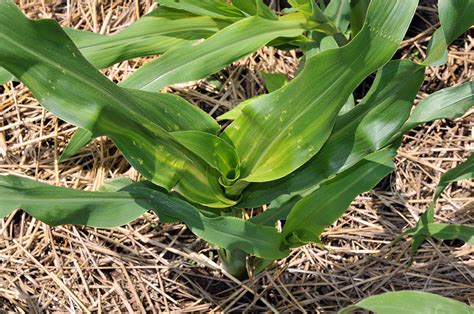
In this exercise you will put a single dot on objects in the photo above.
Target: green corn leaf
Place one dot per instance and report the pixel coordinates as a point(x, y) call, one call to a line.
point(154, 33)
point(55, 205)
point(236, 111)
point(317, 12)
point(115, 184)
point(444, 232)
point(172, 112)
point(274, 81)
point(304, 6)
point(279, 132)
point(367, 128)
point(463, 171)
point(278, 209)
point(348, 106)
point(418, 236)
point(79, 139)
point(192, 62)
point(5, 76)
point(45, 59)
point(448, 103)
point(358, 12)
point(409, 302)
point(339, 11)
point(456, 16)
point(425, 227)
point(226, 232)
point(213, 8)
point(316, 211)
point(255, 7)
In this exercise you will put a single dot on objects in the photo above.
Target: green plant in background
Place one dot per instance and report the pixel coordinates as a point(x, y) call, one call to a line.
point(426, 227)
point(305, 148)
point(410, 302)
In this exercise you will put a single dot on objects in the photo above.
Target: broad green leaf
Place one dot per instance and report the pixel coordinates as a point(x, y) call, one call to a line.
point(279, 132)
point(409, 302)
point(255, 7)
point(358, 12)
point(446, 232)
point(213, 8)
point(456, 16)
point(55, 205)
point(461, 172)
point(5, 76)
point(448, 103)
point(317, 12)
point(274, 81)
point(198, 60)
point(316, 211)
point(172, 112)
point(304, 6)
point(437, 52)
point(297, 3)
point(348, 106)
point(236, 111)
point(115, 184)
point(155, 33)
point(339, 11)
point(278, 209)
point(227, 232)
point(363, 130)
point(79, 139)
point(41, 55)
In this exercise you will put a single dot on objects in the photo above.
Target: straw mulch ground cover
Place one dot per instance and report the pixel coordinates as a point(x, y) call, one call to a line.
point(147, 266)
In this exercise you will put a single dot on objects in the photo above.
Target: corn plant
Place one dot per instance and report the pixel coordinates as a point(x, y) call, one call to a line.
point(426, 227)
point(305, 150)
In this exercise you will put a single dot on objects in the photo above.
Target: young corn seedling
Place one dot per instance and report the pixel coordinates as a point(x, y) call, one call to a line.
point(305, 148)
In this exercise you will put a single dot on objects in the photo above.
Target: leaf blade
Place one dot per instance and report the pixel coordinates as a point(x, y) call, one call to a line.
point(79, 139)
point(319, 209)
point(199, 60)
point(410, 302)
